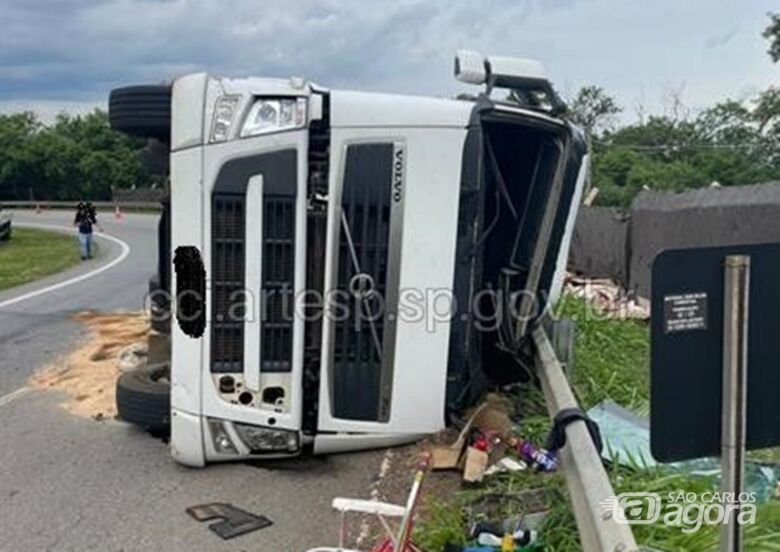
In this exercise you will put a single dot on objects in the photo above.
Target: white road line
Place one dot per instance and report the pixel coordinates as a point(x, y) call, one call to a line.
point(59, 285)
point(11, 397)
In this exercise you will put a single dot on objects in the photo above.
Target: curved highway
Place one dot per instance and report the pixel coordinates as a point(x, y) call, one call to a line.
point(35, 327)
point(74, 484)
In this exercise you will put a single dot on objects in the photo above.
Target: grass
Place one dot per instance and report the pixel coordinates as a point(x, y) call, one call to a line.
point(32, 254)
point(611, 358)
point(611, 362)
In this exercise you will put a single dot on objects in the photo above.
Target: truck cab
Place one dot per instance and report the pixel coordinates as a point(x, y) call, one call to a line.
point(349, 268)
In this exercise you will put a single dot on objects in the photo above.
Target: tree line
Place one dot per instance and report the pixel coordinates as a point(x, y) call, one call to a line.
point(732, 143)
point(729, 144)
point(76, 157)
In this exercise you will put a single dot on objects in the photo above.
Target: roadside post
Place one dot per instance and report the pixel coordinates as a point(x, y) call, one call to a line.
point(735, 343)
point(713, 357)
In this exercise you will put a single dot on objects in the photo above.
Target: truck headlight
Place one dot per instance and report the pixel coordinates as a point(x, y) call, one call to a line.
point(224, 112)
point(264, 439)
point(274, 114)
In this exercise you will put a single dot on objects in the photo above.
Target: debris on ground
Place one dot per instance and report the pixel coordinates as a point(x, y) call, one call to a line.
point(626, 436)
point(233, 522)
point(447, 457)
point(495, 535)
point(612, 357)
point(133, 357)
point(471, 464)
point(627, 441)
point(506, 465)
point(539, 458)
point(607, 297)
point(493, 416)
point(484, 442)
point(88, 374)
point(516, 533)
point(476, 464)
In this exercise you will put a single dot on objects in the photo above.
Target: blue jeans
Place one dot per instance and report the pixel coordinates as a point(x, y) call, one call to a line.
point(85, 245)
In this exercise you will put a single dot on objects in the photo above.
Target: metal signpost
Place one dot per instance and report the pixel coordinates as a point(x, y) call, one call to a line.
point(735, 344)
point(702, 368)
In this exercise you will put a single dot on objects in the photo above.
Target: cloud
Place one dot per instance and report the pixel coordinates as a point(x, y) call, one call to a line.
point(77, 50)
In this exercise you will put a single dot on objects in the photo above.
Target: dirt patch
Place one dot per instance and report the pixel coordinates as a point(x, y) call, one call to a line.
point(88, 374)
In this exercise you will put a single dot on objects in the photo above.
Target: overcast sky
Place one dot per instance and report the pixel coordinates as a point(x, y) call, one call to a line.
point(68, 54)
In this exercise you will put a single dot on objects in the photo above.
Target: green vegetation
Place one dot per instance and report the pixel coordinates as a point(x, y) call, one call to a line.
point(733, 143)
point(33, 254)
point(772, 33)
point(77, 157)
point(612, 358)
point(611, 361)
point(443, 523)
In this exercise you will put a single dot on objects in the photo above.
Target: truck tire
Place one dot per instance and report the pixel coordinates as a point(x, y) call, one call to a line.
point(143, 111)
point(143, 398)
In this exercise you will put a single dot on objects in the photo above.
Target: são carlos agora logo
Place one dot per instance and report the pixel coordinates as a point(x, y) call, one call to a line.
point(689, 511)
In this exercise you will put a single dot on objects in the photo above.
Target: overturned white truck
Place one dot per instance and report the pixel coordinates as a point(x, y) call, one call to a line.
point(348, 267)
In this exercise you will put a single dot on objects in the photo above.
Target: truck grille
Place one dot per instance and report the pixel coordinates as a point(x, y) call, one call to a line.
point(278, 282)
point(358, 350)
point(229, 254)
point(227, 334)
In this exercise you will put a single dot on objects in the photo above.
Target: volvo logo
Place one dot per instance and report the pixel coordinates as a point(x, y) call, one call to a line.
point(399, 160)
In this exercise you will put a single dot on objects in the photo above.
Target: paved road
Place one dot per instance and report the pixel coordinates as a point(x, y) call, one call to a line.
point(35, 331)
point(70, 484)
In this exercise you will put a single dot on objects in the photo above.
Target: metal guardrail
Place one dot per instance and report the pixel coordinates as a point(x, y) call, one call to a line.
point(581, 463)
point(99, 205)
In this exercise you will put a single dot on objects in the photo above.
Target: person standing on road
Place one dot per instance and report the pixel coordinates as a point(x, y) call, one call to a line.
point(86, 217)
